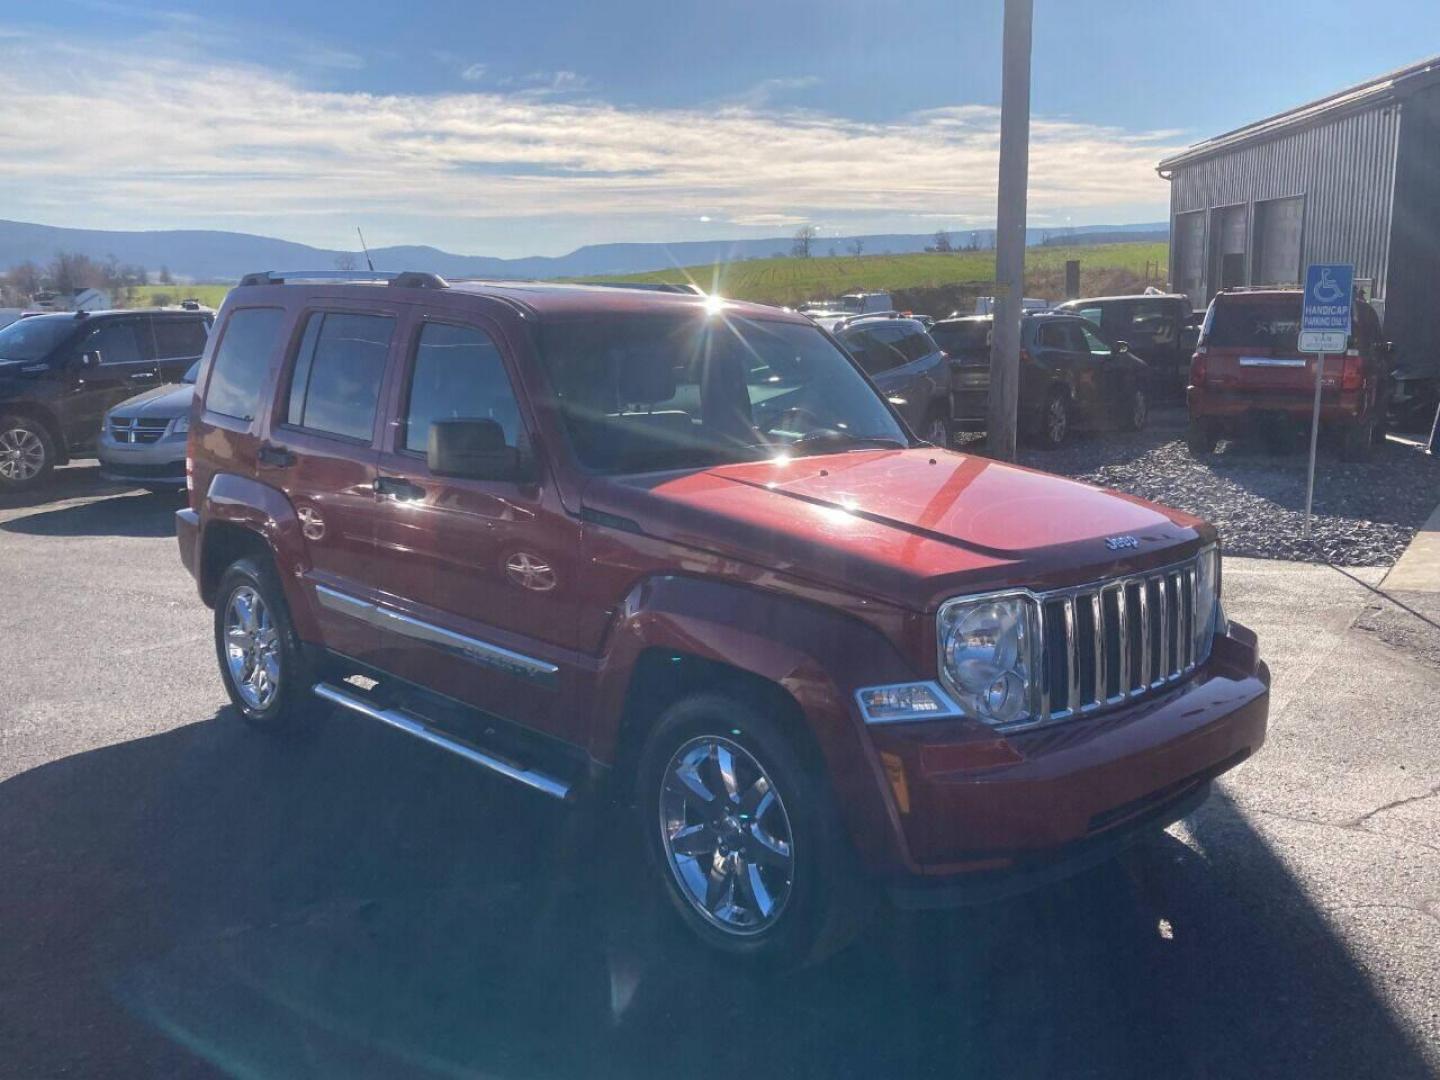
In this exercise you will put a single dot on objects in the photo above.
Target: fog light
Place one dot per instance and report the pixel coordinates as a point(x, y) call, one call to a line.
point(904, 702)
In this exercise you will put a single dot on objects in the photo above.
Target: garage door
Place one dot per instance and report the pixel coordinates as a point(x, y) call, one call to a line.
point(1277, 241)
point(1190, 256)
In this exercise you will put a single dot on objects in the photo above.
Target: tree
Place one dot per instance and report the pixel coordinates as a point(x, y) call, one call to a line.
point(942, 241)
point(804, 237)
point(24, 280)
point(165, 278)
point(857, 246)
point(70, 271)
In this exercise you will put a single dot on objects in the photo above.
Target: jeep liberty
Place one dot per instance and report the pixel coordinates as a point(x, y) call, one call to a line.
point(678, 553)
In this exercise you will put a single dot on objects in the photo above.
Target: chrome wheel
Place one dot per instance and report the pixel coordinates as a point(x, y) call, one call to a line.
point(22, 454)
point(726, 835)
point(252, 648)
point(1057, 420)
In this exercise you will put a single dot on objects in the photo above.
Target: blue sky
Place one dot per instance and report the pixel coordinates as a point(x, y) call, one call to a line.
point(520, 128)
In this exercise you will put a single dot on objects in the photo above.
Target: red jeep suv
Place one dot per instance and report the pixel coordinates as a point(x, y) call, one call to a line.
point(680, 551)
point(1248, 371)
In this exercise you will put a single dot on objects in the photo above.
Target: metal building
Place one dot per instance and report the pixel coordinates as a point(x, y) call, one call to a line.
point(1353, 177)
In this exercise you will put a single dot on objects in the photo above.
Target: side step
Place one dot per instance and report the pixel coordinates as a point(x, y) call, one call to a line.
point(411, 725)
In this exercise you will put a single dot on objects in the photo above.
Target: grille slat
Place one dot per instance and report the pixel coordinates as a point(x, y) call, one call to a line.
point(1115, 641)
point(137, 430)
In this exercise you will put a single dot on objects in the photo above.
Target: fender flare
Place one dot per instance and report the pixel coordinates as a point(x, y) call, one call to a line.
point(238, 501)
point(816, 655)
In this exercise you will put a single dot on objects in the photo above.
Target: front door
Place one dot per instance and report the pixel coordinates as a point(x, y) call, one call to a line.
point(320, 451)
point(481, 576)
point(112, 361)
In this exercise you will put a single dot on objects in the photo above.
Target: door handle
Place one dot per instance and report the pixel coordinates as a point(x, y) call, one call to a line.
point(398, 488)
point(274, 457)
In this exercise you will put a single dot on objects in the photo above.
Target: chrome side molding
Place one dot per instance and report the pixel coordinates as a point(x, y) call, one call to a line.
point(411, 725)
point(473, 649)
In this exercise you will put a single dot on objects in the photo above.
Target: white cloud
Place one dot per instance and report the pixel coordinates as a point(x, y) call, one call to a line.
point(174, 143)
point(474, 72)
point(765, 91)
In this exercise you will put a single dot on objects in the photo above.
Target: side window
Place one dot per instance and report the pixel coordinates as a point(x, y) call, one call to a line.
point(915, 345)
point(179, 338)
point(1150, 321)
point(335, 383)
point(1052, 336)
point(1092, 342)
point(116, 342)
point(457, 373)
point(237, 372)
point(1095, 314)
point(882, 353)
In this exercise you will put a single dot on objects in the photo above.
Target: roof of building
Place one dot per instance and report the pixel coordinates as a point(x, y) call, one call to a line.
point(1366, 95)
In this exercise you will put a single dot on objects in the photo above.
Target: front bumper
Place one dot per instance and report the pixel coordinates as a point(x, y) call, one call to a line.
point(982, 814)
point(160, 463)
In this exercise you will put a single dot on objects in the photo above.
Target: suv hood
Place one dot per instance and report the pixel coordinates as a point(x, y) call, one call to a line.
point(906, 526)
point(160, 402)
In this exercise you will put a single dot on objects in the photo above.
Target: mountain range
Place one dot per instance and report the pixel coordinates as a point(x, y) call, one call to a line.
point(212, 256)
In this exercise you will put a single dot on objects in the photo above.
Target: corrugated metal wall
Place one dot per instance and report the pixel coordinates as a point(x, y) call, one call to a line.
point(1345, 171)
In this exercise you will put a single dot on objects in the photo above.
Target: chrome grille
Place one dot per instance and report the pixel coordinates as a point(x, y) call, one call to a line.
point(1112, 642)
point(138, 430)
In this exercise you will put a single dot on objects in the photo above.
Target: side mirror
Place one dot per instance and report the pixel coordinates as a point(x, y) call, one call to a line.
point(473, 449)
point(89, 359)
point(1121, 348)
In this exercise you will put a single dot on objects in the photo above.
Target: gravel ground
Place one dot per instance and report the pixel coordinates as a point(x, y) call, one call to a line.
point(1365, 514)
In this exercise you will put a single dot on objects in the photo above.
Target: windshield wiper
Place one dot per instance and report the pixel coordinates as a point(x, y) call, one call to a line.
point(832, 439)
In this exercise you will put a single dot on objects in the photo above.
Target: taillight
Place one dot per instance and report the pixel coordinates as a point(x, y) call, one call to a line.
point(1352, 375)
point(1197, 368)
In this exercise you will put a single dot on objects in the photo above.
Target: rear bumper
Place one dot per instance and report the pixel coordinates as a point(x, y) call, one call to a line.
point(1336, 406)
point(981, 817)
point(187, 535)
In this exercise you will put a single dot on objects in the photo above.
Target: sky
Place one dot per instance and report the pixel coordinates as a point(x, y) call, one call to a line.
point(519, 128)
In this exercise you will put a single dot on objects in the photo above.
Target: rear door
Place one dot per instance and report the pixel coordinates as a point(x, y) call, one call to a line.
point(321, 451)
point(482, 576)
point(178, 342)
point(1252, 344)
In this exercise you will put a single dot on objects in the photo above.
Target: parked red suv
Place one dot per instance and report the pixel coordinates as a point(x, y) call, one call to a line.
point(681, 551)
point(1248, 372)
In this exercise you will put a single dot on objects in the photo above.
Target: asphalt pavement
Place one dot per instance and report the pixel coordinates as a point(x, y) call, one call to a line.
point(180, 896)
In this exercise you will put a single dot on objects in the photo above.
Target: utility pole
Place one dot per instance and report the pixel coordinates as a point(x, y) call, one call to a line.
point(1010, 228)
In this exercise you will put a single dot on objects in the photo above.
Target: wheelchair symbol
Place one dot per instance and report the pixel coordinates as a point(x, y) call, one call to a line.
point(1327, 289)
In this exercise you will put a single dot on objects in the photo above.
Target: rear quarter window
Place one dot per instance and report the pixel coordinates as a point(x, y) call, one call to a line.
point(237, 374)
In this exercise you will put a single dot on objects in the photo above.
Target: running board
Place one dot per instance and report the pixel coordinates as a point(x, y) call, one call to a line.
point(410, 725)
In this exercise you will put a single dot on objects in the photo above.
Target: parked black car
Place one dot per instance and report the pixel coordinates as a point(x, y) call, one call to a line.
point(1160, 328)
point(1071, 376)
point(60, 373)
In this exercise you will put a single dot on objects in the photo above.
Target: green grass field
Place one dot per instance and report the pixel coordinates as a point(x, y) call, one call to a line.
point(145, 295)
point(789, 280)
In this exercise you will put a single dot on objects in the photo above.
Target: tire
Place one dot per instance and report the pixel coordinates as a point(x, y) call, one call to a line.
point(1139, 412)
point(1054, 426)
point(276, 692)
point(1357, 441)
point(1201, 438)
point(792, 854)
point(938, 430)
point(27, 453)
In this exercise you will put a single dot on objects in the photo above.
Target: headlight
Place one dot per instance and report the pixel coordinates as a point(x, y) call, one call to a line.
point(987, 650)
point(180, 426)
point(1207, 601)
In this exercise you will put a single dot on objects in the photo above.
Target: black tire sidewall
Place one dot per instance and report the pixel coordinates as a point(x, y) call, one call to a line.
point(294, 682)
point(815, 839)
point(20, 420)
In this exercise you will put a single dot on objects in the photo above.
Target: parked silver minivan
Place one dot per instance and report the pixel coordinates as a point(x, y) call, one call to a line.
point(142, 440)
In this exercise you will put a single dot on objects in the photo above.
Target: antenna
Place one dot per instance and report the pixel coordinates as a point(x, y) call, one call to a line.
point(368, 261)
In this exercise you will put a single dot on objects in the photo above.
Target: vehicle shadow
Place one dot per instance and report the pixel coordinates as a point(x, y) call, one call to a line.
point(132, 514)
point(68, 482)
point(348, 903)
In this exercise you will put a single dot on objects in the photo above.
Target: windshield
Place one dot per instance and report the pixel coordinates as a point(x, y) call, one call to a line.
point(1256, 324)
point(646, 393)
point(35, 337)
point(963, 338)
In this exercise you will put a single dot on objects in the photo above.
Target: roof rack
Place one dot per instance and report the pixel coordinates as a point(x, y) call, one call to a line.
point(403, 279)
point(649, 286)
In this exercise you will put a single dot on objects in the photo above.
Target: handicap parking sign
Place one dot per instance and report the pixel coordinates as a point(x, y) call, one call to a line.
point(1325, 317)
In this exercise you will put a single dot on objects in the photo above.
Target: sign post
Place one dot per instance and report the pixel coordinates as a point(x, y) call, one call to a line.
point(1324, 328)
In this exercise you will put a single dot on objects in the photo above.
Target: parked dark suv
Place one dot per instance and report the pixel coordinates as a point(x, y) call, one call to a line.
point(60, 373)
point(1071, 377)
point(1160, 328)
point(679, 553)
